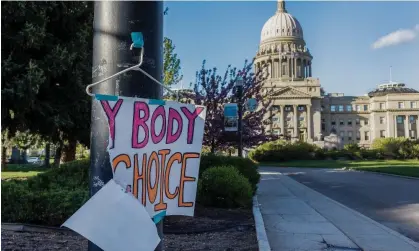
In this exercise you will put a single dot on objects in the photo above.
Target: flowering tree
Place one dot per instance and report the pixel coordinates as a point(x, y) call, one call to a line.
point(213, 91)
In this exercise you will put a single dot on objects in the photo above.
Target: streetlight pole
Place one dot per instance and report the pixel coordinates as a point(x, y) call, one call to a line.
point(113, 23)
point(239, 86)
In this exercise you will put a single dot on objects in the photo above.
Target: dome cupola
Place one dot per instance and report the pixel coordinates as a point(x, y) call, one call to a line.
point(282, 24)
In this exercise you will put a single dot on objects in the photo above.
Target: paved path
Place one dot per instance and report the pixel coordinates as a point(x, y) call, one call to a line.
point(299, 218)
point(391, 201)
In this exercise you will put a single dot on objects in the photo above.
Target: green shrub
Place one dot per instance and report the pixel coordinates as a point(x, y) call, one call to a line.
point(49, 198)
point(224, 186)
point(396, 148)
point(245, 166)
point(283, 151)
point(49, 207)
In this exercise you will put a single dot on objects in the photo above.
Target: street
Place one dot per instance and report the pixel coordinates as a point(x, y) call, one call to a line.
point(391, 201)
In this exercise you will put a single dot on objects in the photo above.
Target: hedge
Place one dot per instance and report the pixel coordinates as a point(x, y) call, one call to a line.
point(53, 196)
point(382, 148)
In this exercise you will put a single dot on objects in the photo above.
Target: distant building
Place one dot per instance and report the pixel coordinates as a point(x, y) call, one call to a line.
point(301, 111)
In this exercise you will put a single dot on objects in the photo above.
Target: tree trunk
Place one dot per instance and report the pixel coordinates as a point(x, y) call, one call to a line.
point(3, 157)
point(212, 146)
point(57, 156)
point(47, 154)
point(69, 151)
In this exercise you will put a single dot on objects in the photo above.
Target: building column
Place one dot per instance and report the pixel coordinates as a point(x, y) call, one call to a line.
point(295, 121)
point(280, 66)
point(406, 126)
point(309, 138)
point(282, 118)
point(395, 126)
point(388, 134)
point(417, 126)
point(309, 69)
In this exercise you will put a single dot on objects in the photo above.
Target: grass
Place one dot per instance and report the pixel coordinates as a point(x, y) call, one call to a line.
point(16, 171)
point(399, 167)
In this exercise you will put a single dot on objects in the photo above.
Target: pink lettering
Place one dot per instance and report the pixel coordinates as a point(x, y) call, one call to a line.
point(173, 115)
point(158, 112)
point(140, 121)
point(191, 116)
point(111, 114)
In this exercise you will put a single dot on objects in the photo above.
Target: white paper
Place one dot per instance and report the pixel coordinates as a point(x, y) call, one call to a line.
point(114, 221)
point(141, 127)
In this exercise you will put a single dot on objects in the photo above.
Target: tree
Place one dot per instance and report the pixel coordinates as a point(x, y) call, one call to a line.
point(213, 91)
point(46, 64)
point(171, 63)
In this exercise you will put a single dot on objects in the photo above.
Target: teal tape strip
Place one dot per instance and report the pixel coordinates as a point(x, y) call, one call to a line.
point(106, 97)
point(156, 102)
point(157, 218)
point(137, 39)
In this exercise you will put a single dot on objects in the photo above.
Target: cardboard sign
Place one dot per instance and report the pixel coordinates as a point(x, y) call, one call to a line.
point(155, 150)
point(230, 117)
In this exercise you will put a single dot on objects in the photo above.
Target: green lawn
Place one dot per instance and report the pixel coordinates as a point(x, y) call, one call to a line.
point(15, 171)
point(399, 167)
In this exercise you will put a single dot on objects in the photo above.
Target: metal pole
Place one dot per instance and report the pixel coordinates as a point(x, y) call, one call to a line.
point(113, 23)
point(240, 114)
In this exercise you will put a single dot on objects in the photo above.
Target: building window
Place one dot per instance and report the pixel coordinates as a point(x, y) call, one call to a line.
point(275, 119)
point(301, 108)
point(365, 107)
point(399, 119)
point(341, 108)
point(358, 135)
point(412, 119)
point(349, 122)
point(342, 135)
point(365, 121)
point(401, 105)
point(333, 108)
point(358, 108)
point(382, 106)
point(367, 136)
point(382, 121)
point(349, 135)
point(287, 108)
point(323, 126)
point(412, 104)
point(349, 108)
point(357, 122)
point(301, 118)
point(322, 108)
point(333, 123)
point(341, 122)
point(275, 108)
point(276, 132)
point(382, 134)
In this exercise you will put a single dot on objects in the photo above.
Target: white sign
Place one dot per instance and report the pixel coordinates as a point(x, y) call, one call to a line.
point(231, 117)
point(114, 220)
point(155, 150)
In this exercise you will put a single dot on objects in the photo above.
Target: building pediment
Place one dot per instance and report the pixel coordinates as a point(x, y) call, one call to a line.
point(289, 92)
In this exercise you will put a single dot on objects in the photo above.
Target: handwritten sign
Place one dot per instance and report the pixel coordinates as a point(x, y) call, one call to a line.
point(155, 150)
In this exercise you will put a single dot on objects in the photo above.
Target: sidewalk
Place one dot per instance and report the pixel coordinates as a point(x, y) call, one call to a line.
point(299, 218)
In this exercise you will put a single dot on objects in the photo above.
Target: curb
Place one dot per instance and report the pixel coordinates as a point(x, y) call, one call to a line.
point(371, 221)
point(385, 174)
point(262, 238)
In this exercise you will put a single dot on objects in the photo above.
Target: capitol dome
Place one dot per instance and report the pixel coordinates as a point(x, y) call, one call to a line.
point(282, 24)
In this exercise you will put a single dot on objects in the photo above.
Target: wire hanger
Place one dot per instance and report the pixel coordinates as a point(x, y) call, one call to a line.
point(138, 42)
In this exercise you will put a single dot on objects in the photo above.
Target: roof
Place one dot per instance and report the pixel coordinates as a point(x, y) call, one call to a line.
point(385, 89)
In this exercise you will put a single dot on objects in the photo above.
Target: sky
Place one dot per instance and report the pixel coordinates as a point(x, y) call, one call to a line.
point(353, 44)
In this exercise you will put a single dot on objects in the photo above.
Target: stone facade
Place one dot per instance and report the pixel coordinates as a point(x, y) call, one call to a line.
point(300, 111)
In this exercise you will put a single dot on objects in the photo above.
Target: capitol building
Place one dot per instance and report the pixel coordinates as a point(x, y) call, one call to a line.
point(300, 111)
